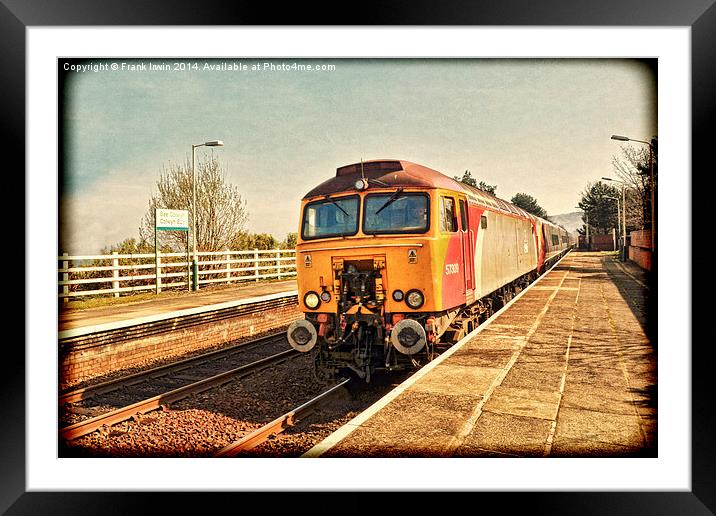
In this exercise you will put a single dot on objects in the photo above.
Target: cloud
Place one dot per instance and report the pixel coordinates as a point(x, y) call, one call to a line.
point(108, 212)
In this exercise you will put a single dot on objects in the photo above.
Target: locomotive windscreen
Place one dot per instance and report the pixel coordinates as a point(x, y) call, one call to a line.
point(331, 217)
point(395, 213)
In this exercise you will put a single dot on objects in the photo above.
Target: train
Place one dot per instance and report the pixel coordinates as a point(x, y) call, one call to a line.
point(396, 262)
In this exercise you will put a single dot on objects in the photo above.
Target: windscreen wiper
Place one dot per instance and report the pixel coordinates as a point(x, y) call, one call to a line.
point(379, 183)
point(328, 198)
point(390, 201)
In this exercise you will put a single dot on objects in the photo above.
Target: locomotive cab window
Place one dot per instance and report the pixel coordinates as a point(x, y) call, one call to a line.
point(330, 217)
point(396, 212)
point(448, 215)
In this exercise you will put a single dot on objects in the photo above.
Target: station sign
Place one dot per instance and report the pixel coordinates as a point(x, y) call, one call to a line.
point(172, 220)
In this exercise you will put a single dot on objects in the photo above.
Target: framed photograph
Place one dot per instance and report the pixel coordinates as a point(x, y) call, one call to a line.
point(46, 48)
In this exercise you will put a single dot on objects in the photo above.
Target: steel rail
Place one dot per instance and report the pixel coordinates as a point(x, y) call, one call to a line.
point(141, 407)
point(279, 424)
point(157, 372)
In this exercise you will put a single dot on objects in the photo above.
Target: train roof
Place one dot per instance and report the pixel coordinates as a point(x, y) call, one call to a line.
point(391, 173)
point(383, 173)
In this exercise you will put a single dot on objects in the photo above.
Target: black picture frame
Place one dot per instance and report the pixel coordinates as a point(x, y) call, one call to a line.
point(700, 15)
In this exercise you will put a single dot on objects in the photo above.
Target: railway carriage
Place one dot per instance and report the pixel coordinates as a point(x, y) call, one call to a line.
point(396, 260)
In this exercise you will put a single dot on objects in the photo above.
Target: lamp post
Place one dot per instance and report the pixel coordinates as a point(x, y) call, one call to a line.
point(623, 214)
point(653, 184)
point(195, 263)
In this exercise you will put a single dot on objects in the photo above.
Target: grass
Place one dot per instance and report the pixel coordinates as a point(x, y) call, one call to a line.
point(109, 300)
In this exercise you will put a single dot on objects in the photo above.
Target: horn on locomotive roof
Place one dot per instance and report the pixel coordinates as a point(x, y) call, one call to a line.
point(362, 183)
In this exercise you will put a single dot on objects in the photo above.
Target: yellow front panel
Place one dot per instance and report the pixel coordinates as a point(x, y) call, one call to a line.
point(411, 262)
point(407, 266)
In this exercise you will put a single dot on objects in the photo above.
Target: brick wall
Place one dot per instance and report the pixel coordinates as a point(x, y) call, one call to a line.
point(641, 238)
point(640, 248)
point(602, 242)
point(97, 355)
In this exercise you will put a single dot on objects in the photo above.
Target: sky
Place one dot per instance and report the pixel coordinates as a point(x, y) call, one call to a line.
point(535, 126)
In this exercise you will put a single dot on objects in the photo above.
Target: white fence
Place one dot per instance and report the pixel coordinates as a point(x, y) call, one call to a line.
point(91, 275)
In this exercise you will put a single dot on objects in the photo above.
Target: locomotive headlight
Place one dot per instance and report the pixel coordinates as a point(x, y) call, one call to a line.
point(325, 296)
point(415, 299)
point(311, 300)
point(398, 295)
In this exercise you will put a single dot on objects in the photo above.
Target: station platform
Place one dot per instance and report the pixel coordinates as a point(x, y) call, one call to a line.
point(565, 369)
point(168, 306)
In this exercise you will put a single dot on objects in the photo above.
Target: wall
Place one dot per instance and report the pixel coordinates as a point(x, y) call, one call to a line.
point(640, 248)
point(89, 356)
point(602, 242)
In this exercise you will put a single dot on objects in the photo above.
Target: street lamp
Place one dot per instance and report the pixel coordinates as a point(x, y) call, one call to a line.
point(653, 185)
point(195, 263)
point(623, 212)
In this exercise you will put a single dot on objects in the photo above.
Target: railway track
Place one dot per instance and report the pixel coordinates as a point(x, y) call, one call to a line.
point(202, 425)
point(278, 425)
point(167, 370)
point(165, 399)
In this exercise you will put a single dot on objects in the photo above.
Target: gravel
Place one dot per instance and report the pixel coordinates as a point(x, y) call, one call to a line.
point(201, 425)
point(125, 395)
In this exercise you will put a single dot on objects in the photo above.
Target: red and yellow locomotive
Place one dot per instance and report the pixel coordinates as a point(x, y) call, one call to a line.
point(396, 260)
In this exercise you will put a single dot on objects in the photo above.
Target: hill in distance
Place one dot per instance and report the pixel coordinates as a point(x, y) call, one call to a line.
point(570, 221)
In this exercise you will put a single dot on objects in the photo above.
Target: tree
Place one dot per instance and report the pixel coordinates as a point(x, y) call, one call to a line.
point(491, 189)
point(132, 246)
point(632, 168)
point(220, 209)
point(243, 241)
point(529, 204)
point(599, 204)
point(469, 180)
point(265, 241)
point(290, 241)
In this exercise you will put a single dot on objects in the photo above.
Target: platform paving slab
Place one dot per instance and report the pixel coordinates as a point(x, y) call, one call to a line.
point(565, 447)
point(510, 434)
point(535, 378)
point(451, 378)
point(489, 358)
point(599, 426)
point(598, 398)
point(524, 402)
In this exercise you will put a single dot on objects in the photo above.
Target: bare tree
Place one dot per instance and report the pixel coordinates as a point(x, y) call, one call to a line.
point(220, 212)
point(632, 168)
